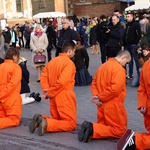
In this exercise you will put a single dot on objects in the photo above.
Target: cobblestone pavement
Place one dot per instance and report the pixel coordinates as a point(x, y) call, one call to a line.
point(19, 138)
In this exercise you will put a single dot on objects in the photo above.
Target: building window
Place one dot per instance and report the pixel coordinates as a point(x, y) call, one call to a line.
point(19, 5)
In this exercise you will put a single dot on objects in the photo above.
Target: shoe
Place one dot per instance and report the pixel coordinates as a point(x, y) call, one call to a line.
point(34, 123)
point(92, 53)
point(32, 94)
point(82, 131)
point(129, 76)
point(42, 126)
point(37, 97)
point(88, 132)
point(127, 141)
point(97, 52)
point(85, 132)
point(38, 80)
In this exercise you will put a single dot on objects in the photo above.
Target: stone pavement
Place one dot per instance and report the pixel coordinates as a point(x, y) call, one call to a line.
point(19, 138)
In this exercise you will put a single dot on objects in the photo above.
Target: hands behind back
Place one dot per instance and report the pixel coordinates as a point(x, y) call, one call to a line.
point(96, 100)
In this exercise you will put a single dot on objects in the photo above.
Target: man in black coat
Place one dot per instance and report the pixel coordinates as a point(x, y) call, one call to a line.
point(131, 39)
point(115, 40)
point(65, 34)
point(50, 35)
point(102, 36)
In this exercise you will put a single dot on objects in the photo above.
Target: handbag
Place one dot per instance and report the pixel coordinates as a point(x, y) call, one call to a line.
point(39, 58)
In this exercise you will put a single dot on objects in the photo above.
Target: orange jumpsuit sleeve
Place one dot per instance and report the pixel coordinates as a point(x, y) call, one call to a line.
point(113, 89)
point(61, 82)
point(14, 80)
point(144, 88)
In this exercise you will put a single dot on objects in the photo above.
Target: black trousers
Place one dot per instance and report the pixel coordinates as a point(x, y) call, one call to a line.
point(103, 52)
point(58, 50)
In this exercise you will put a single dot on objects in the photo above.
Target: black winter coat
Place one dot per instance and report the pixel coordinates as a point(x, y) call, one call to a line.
point(7, 36)
point(102, 37)
point(25, 78)
point(81, 59)
point(132, 33)
point(65, 35)
point(116, 35)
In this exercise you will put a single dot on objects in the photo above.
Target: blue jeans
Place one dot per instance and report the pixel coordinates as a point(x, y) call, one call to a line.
point(133, 56)
point(135, 81)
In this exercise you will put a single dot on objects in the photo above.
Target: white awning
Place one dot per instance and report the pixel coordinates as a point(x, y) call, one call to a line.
point(138, 7)
point(49, 15)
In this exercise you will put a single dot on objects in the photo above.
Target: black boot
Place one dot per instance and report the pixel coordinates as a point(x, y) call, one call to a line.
point(37, 97)
point(88, 132)
point(32, 94)
point(85, 132)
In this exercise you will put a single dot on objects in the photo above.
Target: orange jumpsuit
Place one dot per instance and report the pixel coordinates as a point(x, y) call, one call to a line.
point(143, 139)
point(58, 78)
point(110, 86)
point(10, 99)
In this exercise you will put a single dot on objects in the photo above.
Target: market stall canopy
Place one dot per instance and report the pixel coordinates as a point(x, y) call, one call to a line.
point(49, 15)
point(138, 7)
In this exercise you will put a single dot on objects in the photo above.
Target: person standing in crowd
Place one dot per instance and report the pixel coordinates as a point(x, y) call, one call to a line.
point(81, 61)
point(141, 141)
point(121, 19)
point(102, 37)
point(14, 37)
point(131, 39)
point(39, 43)
point(108, 93)
point(7, 38)
point(143, 54)
point(10, 86)
point(65, 34)
point(93, 36)
point(115, 37)
point(84, 36)
point(50, 35)
point(2, 51)
point(57, 82)
point(27, 34)
point(75, 20)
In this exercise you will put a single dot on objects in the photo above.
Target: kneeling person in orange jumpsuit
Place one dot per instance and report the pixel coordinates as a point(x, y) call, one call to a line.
point(108, 93)
point(10, 86)
point(57, 82)
point(140, 141)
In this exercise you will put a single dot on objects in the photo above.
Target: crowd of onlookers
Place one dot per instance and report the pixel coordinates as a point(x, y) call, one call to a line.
point(105, 34)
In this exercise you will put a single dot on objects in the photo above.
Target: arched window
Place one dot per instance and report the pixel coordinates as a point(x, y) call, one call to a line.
point(19, 5)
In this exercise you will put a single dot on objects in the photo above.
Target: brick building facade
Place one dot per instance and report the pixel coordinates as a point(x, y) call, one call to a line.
point(92, 8)
point(12, 9)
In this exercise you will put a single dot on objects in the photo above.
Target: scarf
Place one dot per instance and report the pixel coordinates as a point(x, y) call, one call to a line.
point(92, 25)
point(38, 34)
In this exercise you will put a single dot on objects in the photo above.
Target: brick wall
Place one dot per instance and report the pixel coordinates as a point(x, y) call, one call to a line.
point(96, 9)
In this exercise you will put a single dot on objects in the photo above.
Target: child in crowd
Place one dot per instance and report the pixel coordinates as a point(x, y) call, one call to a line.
point(81, 61)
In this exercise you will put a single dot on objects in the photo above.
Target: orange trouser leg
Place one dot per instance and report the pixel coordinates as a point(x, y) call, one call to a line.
point(105, 131)
point(142, 141)
point(109, 124)
point(10, 116)
point(63, 111)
